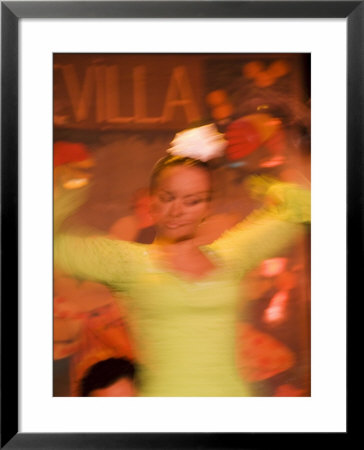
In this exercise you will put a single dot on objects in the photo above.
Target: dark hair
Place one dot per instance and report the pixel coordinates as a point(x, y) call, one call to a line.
point(172, 161)
point(104, 373)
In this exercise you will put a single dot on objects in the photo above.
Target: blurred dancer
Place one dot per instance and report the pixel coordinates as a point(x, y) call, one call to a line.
point(183, 298)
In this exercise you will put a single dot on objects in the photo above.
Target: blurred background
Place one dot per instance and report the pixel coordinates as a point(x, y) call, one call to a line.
point(117, 114)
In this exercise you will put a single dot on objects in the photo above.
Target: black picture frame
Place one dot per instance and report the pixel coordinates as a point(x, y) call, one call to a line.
point(11, 12)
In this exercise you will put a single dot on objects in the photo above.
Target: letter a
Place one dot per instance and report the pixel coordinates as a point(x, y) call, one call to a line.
point(179, 95)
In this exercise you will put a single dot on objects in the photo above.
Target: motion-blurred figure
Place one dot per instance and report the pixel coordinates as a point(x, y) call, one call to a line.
point(181, 298)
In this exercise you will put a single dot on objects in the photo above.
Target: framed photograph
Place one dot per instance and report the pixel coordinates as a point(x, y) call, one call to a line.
point(110, 86)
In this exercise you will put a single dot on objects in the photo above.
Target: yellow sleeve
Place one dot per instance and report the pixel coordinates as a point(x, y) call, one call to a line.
point(97, 259)
point(268, 231)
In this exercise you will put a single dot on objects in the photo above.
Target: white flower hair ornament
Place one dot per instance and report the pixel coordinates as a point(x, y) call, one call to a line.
point(203, 143)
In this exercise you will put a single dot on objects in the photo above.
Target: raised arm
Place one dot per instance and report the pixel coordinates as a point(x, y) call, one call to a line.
point(98, 259)
point(268, 231)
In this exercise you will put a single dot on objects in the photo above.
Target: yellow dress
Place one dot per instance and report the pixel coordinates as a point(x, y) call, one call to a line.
point(184, 330)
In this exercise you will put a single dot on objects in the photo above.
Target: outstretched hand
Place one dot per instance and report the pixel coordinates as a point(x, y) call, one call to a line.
point(69, 194)
point(67, 177)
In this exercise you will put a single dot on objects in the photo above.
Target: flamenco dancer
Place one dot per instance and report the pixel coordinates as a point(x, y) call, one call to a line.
point(182, 297)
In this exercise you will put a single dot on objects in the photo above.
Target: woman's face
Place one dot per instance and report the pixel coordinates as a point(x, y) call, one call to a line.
point(180, 201)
